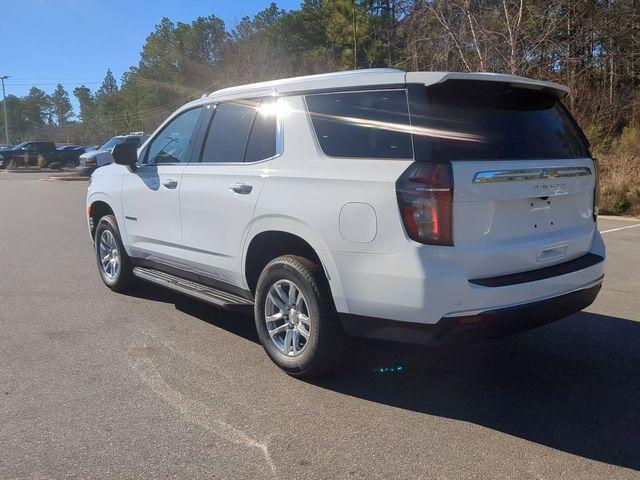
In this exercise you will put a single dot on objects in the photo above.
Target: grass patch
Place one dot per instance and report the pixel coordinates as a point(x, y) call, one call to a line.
point(619, 184)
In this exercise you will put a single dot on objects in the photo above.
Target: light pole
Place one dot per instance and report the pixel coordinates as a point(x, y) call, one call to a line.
point(4, 107)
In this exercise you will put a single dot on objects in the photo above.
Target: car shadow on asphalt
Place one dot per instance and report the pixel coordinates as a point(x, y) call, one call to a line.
point(573, 385)
point(240, 324)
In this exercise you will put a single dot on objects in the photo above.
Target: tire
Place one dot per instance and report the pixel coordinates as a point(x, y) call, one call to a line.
point(116, 274)
point(325, 344)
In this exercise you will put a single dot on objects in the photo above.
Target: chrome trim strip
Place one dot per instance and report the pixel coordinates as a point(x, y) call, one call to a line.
point(466, 313)
point(523, 175)
point(432, 189)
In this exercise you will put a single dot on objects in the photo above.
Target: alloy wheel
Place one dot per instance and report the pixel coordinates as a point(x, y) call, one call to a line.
point(109, 254)
point(287, 317)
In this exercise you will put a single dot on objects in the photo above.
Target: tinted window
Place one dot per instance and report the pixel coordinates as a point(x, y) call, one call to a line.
point(111, 143)
point(172, 144)
point(362, 124)
point(228, 132)
point(262, 139)
point(487, 120)
point(134, 140)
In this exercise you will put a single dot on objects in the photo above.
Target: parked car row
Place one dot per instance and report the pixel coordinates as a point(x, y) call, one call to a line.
point(29, 153)
point(41, 153)
point(45, 153)
point(69, 155)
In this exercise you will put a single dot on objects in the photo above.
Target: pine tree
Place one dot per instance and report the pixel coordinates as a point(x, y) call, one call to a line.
point(107, 102)
point(61, 105)
point(86, 102)
point(36, 107)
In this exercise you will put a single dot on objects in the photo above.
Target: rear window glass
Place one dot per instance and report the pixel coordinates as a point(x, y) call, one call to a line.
point(371, 124)
point(495, 121)
point(262, 139)
point(228, 132)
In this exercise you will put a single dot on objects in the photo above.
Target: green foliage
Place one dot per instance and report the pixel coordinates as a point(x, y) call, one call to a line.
point(620, 202)
point(37, 107)
point(86, 102)
point(61, 105)
point(628, 143)
point(55, 166)
point(108, 105)
point(598, 137)
point(586, 45)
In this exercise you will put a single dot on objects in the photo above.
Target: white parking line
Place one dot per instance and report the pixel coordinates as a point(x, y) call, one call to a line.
point(620, 228)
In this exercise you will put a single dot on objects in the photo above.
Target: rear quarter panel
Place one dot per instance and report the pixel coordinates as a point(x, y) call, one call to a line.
point(310, 188)
point(307, 190)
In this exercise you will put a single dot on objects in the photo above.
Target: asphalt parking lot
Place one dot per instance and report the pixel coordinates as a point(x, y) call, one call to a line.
point(98, 385)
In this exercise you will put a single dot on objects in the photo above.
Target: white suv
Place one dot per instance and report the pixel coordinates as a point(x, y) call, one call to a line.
point(414, 207)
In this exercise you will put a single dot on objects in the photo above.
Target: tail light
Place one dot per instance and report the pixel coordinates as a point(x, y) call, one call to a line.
point(425, 198)
point(596, 189)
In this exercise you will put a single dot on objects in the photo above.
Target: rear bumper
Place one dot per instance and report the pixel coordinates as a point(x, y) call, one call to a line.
point(424, 284)
point(475, 325)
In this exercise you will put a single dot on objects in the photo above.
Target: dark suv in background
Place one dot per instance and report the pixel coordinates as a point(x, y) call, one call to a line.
point(29, 153)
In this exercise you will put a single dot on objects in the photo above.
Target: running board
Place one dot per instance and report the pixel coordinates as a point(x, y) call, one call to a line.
point(202, 292)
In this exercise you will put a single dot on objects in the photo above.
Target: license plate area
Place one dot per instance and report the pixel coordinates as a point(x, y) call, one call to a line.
point(541, 215)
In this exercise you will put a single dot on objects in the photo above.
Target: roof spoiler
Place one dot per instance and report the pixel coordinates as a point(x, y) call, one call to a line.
point(431, 78)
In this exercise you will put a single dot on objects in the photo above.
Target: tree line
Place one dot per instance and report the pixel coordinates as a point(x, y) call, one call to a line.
point(593, 46)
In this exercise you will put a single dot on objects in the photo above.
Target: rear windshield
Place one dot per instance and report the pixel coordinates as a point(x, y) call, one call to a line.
point(475, 120)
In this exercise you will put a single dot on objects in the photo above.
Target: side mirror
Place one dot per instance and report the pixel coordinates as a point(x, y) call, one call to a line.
point(125, 154)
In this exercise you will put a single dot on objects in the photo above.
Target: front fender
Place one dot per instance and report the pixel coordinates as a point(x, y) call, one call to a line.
point(106, 186)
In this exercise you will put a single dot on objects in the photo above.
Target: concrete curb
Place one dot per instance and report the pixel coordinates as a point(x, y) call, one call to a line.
point(68, 178)
point(615, 217)
point(36, 170)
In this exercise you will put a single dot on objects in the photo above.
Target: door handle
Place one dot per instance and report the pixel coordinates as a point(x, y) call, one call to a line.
point(241, 188)
point(170, 183)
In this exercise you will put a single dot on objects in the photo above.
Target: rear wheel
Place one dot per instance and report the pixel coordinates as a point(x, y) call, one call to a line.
point(296, 319)
point(114, 264)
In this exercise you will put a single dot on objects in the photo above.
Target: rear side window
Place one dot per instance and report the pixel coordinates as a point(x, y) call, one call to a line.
point(228, 132)
point(240, 132)
point(262, 140)
point(473, 120)
point(368, 124)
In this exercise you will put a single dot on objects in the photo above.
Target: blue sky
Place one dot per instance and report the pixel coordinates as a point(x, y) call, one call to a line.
point(45, 42)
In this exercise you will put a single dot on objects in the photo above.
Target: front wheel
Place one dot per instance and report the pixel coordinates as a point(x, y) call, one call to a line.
point(114, 264)
point(296, 319)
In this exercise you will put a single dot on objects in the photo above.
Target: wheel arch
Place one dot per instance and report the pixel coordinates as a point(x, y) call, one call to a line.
point(266, 242)
point(99, 204)
point(96, 210)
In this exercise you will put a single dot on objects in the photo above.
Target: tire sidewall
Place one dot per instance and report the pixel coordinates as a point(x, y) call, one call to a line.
point(283, 271)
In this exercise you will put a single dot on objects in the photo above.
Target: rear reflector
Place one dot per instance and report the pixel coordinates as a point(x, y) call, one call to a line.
point(596, 190)
point(425, 198)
